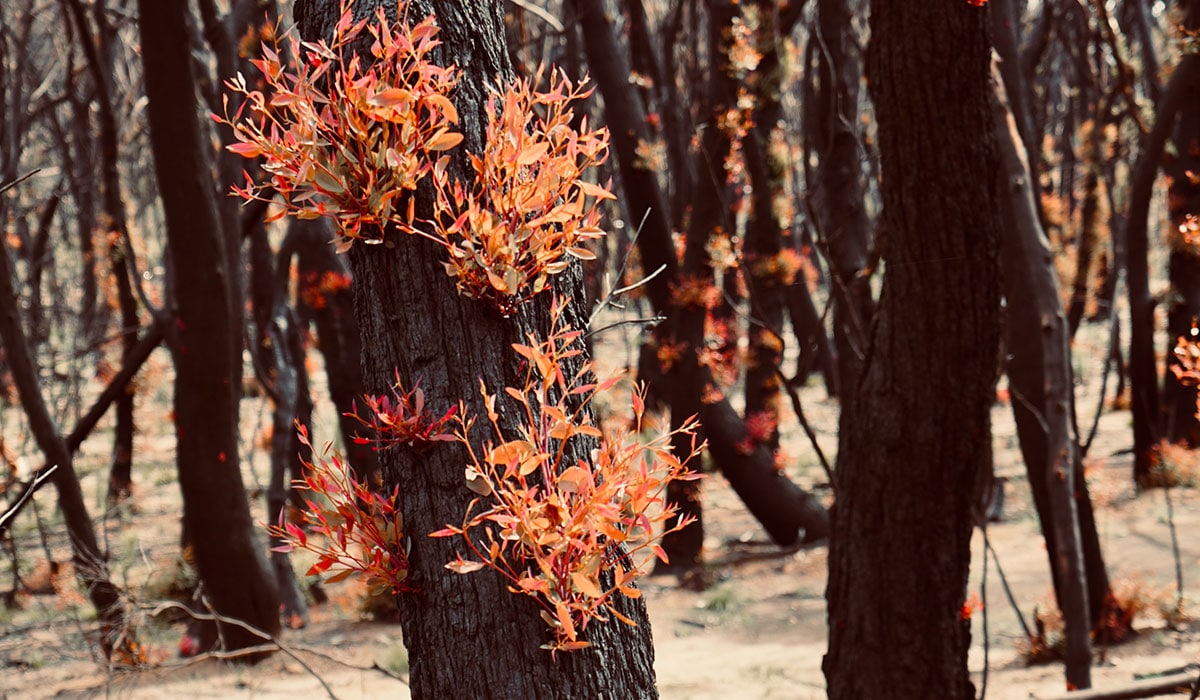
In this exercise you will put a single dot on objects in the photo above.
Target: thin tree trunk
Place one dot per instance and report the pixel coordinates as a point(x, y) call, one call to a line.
point(910, 470)
point(1183, 200)
point(1039, 370)
point(276, 367)
point(326, 301)
point(844, 225)
point(115, 230)
point(685, 324)
point(205, 342)
point(784, 510)
point(771, 216)
point(1143, 373)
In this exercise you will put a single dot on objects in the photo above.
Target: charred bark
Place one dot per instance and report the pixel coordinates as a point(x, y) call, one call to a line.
point(205, 342)
point(912, 466)
point(467, 636)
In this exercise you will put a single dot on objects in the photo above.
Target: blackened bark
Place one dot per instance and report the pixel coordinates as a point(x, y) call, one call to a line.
point(784, 510)
point(205, 342)
point(910, 469)
point(1143, 374)
point(1039, 371)
point(275, 367)
point(467, 636)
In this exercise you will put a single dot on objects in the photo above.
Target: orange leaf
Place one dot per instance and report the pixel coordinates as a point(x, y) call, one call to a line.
point(464, 567)
point(444, 142)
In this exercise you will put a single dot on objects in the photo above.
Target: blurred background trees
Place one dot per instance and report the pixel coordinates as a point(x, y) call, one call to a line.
point(756, 250)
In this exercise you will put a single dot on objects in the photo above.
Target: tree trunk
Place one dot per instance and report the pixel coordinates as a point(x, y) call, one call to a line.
point(784, 510)
point(685, 324)
point(1183, 200)
point(467, 636)
point(844, 225)
point(327, 302)
point(919, 456)
point(115, 231)
point(1039, 370)
point(205, 342)
point(770, 220)
point(275, 365)
point(1143, 372)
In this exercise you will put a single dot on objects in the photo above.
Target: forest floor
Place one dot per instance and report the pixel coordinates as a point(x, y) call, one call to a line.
point(757, 632)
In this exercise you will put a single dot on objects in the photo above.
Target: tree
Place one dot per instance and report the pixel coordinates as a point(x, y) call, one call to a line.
point(918, 455)
point(782, 507)
point(204, 342)
point(467, 636)
point(1143, 373)
point(1040, 379)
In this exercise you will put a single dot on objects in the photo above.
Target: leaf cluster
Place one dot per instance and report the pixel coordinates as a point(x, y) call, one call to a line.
point(349, 139)
point(360, 531)
point(570, 532)
point(402, 419)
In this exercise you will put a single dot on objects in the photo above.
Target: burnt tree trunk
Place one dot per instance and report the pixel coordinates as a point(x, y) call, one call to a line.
point(912, 466)
point(205, 343)
point(467, 636)
point(770, 220)
point(1143, 372)
point(326, 302)
point(686, 322)
point(1183, 200)
point(275, 367)
point(1039, 371)
point(840, 190)
point(114, 231)
point(785, 511)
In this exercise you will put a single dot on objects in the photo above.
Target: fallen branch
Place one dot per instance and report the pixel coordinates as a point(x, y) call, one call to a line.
point(1147, 688)
point(261, 634)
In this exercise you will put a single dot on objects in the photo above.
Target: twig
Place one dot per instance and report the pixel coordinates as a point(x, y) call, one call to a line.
point(608, 299)
point(1007, 591)
point(984, 612)
point(9, 185)
point(647, 322)
point(539, 12)
point(40, 479)
point(262, 634)
point(1174, 550)
point(1108, 363)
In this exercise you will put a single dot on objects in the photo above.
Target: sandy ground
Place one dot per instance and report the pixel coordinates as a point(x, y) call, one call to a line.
point(759, 632)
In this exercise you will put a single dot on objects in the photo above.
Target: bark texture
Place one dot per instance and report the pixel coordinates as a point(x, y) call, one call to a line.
point(911, 467)
point(206, 340)
point(467, 636)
